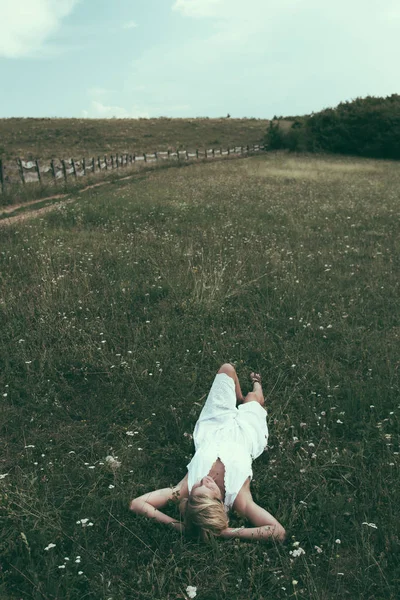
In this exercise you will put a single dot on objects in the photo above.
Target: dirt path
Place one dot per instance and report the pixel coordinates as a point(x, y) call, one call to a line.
point(40, 211)
point(30, 214)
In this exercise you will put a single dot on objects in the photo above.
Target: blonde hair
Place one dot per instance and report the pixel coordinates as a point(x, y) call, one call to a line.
point(204, 517)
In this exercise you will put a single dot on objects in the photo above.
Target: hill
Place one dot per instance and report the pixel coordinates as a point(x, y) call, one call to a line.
point(61, 138)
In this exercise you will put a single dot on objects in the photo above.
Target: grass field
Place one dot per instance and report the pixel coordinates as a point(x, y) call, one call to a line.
point(63, 138)
point(46, 139)
point(118, 309)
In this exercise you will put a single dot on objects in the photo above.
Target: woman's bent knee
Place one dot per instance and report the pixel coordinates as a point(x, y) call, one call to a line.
point(228, 369)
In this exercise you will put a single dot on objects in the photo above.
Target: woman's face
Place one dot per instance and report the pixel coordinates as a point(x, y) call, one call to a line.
point(208, 487)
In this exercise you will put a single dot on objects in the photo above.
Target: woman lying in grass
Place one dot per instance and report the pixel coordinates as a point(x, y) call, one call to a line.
point(227, 439)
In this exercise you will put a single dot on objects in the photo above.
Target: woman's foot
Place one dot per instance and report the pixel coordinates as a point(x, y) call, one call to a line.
point(255, 377)
point(257, 388)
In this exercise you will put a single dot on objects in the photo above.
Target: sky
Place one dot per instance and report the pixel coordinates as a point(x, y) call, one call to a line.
point(194, 58)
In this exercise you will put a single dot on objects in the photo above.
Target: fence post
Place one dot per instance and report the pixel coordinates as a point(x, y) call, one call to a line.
point(64, 170)
point(156, 155)
point(74, 168)
point(177, 151)
point(169, 152)
point(213, 153)
point(134, 158)
point(229, 151)
point(145, 157)
point(99, 163)
point(187, 155)
point(38, 171)
point(53, 169)
point(112, 161)
point(93, 169)
point(130, 159)
point(21, 170)
point(117, 160)
point(1, 176)
point(84, 166)
point(197, 153)
point(206, 153)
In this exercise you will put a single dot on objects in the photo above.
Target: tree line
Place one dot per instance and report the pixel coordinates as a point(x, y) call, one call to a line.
point(368, 127)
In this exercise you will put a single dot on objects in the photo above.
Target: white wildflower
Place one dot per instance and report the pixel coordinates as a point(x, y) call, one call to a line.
point(84, 523)
point(50, 546)
point(191, 591)
point(370, 525)
point(297, 552)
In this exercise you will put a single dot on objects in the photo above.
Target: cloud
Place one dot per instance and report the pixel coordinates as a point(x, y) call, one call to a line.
point(272, 56)
point(129, 25)
point(99, 91)
point(101, 111)
point(25, 25)
point(197, 8)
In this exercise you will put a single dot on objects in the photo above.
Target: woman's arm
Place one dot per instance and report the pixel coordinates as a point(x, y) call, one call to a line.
point(253, 533)
point(149, 503)
point(267, 525)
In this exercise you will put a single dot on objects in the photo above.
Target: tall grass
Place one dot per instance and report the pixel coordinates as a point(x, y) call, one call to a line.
point(63, 138)
point(117, 311)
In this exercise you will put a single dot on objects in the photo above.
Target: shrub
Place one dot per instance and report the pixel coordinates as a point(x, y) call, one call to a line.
point(367, 127)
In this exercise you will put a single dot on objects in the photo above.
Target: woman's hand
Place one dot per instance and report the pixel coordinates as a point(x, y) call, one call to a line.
point(149, 503)
point(141, 507)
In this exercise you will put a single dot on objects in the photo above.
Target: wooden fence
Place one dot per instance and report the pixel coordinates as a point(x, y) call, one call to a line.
point(34, 171)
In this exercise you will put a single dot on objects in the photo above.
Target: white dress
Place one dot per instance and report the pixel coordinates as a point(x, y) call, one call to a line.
point(234, 435)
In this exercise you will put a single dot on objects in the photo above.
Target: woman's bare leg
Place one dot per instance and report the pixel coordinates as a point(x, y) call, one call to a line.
point(230, 370)
point(257, 393)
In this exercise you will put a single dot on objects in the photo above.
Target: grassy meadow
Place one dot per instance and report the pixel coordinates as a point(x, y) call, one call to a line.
point(63, 138)
point(117, 310)
point(46, 139)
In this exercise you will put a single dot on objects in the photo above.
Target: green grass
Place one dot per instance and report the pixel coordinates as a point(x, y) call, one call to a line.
point(116, 313)
point(16, 192)
point(65, 138)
